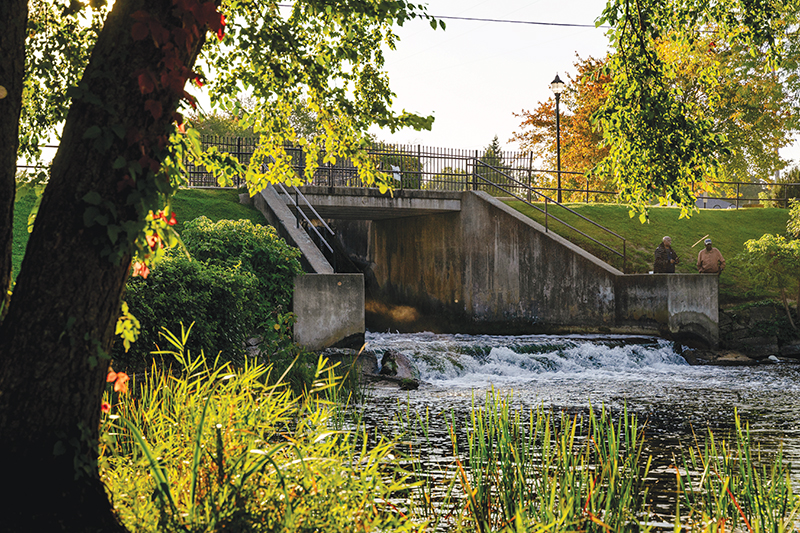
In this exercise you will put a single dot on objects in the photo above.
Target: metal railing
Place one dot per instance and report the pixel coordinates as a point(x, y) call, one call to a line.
point(320, 241)
point(424, 167)
point(496, 173)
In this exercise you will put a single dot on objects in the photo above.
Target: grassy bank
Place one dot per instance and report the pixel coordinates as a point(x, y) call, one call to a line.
point(728, 228)
point(188, 204)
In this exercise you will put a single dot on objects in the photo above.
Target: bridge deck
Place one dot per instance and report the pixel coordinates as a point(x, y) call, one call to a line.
point(360, 203)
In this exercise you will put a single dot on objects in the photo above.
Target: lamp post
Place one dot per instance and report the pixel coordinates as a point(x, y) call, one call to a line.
point(558, 86)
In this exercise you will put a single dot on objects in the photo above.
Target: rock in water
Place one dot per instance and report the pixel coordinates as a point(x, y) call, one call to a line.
point(398, 365)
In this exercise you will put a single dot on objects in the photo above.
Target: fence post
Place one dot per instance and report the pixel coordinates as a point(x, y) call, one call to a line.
point(419, 165)
point(530, 172)
point(239, 158)
point(546, 229)
point(475, 172)
point(737, 195)
point(587, 188)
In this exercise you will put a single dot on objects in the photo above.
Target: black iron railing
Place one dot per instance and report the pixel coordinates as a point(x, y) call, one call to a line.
point(494, 178)
point(424, 167)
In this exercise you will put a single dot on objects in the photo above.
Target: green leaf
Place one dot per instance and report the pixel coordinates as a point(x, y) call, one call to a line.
point(92, 133)
point(93, 198)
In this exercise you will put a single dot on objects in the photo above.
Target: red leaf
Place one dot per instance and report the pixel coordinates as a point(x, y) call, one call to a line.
point(172, 221)
point(154, 106)
point(140, 269)
point(221, 30)
point(139, 31)
point(198, 81)
point(146, 84)
point(121, 385)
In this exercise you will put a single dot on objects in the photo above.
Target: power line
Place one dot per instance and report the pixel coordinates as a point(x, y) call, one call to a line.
point(529, 22)
point(507, 21)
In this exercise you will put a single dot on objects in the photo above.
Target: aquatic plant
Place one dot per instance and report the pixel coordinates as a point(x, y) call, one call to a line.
point(207, 447)
point(725, 486)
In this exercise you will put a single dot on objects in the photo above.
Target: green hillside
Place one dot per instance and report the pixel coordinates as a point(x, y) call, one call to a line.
point(188, 204)
point(728, 228)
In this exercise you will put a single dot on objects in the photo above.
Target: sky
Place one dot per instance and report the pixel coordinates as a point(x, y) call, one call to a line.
point(473, 76)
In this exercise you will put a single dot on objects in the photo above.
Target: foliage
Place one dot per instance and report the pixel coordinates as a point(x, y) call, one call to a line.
point(336, 68)
point(222, 301)
point(211, 448)
point(581, 141)
point(237, 284)
point(749, 103)
point(662, 144)
point(734, 485)
point(793, 224)
point(490, 166)
point(782, 190)
point(773, 260)
point(403, 167)
point(531, 470)
point(449, 178)
point(62, 32)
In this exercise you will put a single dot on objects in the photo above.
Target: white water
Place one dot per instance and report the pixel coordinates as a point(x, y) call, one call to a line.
point(643, 374)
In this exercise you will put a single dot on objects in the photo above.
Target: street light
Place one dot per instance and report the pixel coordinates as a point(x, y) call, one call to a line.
point(558, 86)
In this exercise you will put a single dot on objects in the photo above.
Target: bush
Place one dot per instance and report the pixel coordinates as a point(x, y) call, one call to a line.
point(217, 299)
point(238, 284)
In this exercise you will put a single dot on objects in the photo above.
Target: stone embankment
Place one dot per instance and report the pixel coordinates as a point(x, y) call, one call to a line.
point(751, 335)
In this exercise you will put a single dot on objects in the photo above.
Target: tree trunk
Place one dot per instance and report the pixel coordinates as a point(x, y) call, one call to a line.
point(13, 20)
point(61, 320)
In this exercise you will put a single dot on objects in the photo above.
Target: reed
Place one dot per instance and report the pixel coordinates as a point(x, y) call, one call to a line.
point(207, 448)
point(726, 486)
point(535, 471)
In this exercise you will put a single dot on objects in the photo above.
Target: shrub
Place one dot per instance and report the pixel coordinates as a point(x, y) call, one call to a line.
point(217, 299)
point(238, 284)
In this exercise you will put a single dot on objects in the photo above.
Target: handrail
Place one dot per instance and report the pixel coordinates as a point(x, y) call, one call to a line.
point(311, 207)
point(297, 208)
point(547, 215)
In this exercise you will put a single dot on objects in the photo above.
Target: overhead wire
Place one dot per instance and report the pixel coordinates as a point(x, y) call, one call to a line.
point(506, 21)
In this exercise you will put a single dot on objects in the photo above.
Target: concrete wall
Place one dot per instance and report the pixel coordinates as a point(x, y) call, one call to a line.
point(489, 269)
point(683, 307)
point(329, 306)
point(330, 310)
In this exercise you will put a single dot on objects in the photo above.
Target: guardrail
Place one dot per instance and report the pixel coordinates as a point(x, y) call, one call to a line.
point(496, 172)
point(321, 240)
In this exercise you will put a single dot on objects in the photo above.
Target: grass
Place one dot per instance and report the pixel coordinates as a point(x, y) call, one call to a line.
point(188, 204)
point(728, 228)
point(209, 447)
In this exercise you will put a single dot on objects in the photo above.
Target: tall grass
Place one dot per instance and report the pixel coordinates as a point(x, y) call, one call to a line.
point(726, 486)
point(206, 447)
point(536, 471)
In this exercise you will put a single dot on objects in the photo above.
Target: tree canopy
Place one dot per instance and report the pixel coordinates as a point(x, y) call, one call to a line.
point(661, 143)
point(123, 148)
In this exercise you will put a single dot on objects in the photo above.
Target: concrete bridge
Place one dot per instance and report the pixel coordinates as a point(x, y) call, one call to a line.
point(466, 262)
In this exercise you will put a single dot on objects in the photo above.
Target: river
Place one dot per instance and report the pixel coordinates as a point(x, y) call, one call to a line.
point(576, 372)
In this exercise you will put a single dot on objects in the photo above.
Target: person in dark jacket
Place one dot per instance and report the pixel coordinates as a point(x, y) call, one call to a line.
point(666, 258)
